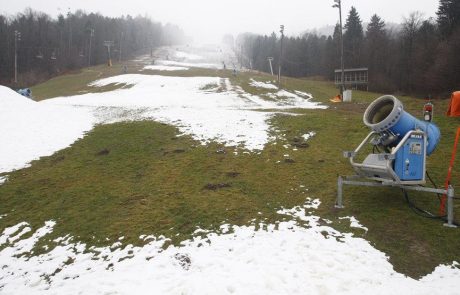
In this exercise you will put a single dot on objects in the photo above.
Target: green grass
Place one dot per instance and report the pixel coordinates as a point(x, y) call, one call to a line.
point(128, 179)
point(77, 82)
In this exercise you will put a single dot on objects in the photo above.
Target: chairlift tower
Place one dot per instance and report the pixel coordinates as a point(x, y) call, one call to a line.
point(270, 59)
point(109, 45)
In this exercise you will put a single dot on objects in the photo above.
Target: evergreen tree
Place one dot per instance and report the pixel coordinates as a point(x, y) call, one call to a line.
point(353, 39)
point(448, 16)
point(376, 28)
point(375, 51)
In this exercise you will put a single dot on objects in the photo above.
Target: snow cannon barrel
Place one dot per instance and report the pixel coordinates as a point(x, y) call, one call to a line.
point(387, 113)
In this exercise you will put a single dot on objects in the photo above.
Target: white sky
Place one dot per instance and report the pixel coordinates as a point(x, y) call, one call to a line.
point(208, 20)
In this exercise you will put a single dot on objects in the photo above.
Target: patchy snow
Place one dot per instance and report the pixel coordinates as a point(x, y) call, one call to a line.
point(304, 94)
point(354, 222)
point(9, 231)
point(285, 93)
point(264, 85)
point(282, 259)
point(3, 179)
point(308, 135)
point(227, 117)
point(165, 68)
point(299, 98)
point(29, 130)
point(187, 56)
point(188, 64)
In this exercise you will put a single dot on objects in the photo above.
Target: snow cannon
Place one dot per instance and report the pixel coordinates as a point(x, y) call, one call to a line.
point(400, 144)
point(387, 114)
point(397, 148)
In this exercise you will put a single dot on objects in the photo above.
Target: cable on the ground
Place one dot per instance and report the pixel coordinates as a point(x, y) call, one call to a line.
point(422, 212)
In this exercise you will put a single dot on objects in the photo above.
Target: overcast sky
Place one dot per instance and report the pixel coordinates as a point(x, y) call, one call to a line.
point(208, 20)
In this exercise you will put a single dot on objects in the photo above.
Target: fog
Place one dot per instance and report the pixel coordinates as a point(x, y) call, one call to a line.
point(207, 20)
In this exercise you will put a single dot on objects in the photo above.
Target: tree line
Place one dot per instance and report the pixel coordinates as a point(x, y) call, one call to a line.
point(46, 46)
point(419, 57)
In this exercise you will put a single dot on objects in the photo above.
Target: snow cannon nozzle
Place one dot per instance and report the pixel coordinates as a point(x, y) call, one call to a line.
point(386, 116)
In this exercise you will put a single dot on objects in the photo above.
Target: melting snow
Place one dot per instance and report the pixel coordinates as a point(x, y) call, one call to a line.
point(29, 130)
point(308, 135)
point(188, 64)
point(304, 94)
point(186, 55)
point(165, 68)
point(354, 222)
point(3, 179)
point(282, 259)
point(264, 85)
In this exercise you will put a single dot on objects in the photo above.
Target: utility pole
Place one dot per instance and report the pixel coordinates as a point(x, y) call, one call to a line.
point(109, 45)
point(91, 35)
point(70, 31)
point(119, 51)
point(338, 4)
point(270, 59)
point(17, 37)
point(281, 55)
point(241, 56)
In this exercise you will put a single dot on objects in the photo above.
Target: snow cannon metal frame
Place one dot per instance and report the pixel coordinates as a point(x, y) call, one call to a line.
point(401, 144)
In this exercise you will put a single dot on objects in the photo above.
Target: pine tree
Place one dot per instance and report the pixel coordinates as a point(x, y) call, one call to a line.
point(375, 51)
point(376, 27)
point(448, 16)
point(353, 39)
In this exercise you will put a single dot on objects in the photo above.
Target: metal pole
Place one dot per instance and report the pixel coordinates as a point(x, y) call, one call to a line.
point(70, 31)
point(91, 34)
point(341, 48)
point(17, 37)
point(15, 57)
point(450, 207)
point(281, 55)
point(270, 62)
point(338, 4)
point(339, 203)
point(119, 56)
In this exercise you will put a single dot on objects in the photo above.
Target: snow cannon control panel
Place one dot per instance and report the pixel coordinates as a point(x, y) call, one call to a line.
point(410, 159)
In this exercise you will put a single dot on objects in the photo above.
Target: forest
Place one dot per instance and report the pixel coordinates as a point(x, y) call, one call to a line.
point(420, 56)
point(46, 47)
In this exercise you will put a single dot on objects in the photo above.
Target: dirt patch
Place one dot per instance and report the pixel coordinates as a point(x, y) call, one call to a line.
point(232, 174)
point(216, 186)
point(103, 152)
point(184, 260)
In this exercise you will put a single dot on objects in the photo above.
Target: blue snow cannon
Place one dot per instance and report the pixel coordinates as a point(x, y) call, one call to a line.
point(400, 144)
point(25, 92)
point(387, 113)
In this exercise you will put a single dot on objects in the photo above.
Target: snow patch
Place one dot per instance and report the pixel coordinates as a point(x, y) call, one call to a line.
point(29, 130)
point(304, 94)
point(309, 135)
point(3, 179)
point(263, 85)
point(187, 56)
point(188, 64)
point(227, 117)
point(354, 222)
point(275, 259)
point(165, 68)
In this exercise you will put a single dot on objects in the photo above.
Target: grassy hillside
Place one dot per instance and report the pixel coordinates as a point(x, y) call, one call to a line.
point(128, 179)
